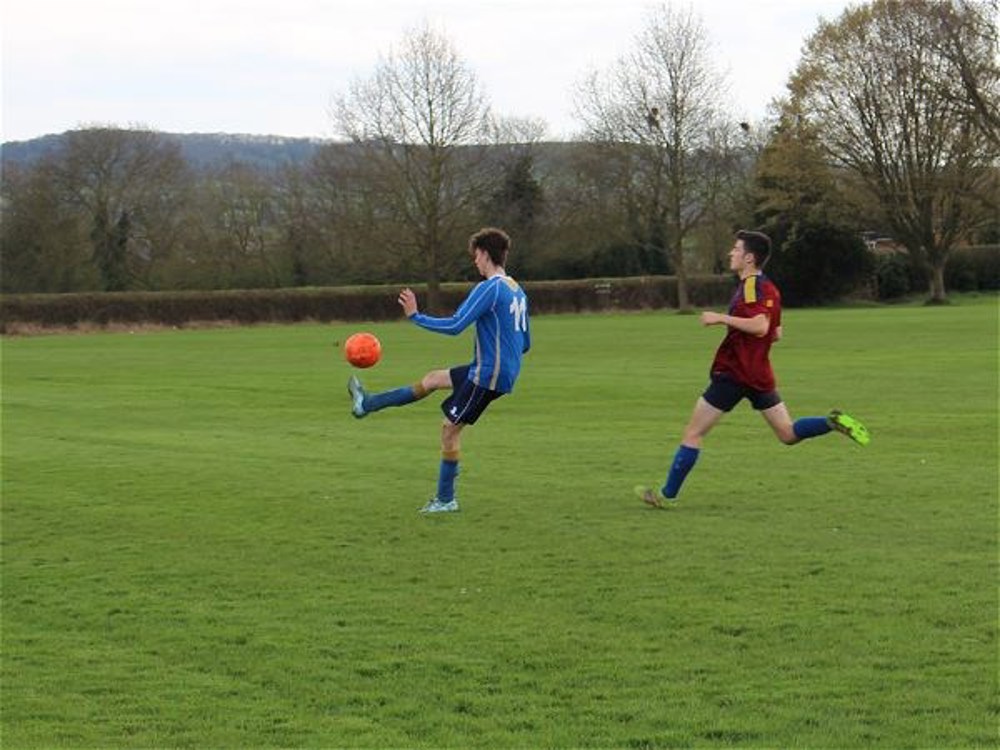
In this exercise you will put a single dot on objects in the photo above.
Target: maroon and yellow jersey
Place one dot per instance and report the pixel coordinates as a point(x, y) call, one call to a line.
point(744, 357)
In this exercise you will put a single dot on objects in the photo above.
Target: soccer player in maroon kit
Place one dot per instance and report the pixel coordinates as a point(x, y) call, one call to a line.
point(742, 369)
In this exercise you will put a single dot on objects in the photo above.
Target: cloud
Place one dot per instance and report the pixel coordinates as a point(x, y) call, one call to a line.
point(273, 67)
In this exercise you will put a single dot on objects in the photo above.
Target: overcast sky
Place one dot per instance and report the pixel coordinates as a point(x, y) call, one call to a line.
point(274, 66)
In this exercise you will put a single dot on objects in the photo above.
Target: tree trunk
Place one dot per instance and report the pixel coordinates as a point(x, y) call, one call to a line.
point(938, 294)
point(434, 297)
point(433, 278)
point(109, 243)
point(683, 300)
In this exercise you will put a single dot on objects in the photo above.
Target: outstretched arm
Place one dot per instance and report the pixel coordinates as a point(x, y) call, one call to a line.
point(478, 301)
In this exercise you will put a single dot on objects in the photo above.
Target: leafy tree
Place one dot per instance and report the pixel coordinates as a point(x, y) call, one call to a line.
point(517, 204)
point(817, 262)
point(809, 210)
point(875, 91)
point(517, 200)
point(793, 179)
point(111, 250)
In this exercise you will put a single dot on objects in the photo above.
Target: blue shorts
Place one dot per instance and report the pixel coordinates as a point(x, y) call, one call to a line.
point(724, 393)
point(467, 400)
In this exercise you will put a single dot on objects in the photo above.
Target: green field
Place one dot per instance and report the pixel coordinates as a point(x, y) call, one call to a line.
point(202, 548)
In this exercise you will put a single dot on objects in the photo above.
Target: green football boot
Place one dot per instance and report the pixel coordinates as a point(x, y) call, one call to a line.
point(849, 426)
point(652, 497)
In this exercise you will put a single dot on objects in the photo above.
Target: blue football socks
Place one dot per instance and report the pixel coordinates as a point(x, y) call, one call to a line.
point(396, 397)
point(810, 427)
point(446, 477)
point(684, 460)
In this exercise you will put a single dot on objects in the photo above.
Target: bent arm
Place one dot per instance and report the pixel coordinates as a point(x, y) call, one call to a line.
point(755, 326)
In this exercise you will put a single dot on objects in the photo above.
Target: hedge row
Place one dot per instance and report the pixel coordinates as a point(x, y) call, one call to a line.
point(976, 267)
point(326, 304)
point(969, 269)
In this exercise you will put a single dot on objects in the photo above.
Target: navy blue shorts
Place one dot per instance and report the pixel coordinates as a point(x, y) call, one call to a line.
point(467, 400)
point(724, 393)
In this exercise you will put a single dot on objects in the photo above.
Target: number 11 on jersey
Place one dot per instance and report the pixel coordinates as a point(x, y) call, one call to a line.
point(519, 309)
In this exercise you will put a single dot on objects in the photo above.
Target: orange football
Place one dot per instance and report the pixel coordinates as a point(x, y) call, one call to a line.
point(362, 350)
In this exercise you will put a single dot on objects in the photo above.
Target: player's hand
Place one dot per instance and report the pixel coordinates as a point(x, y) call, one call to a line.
point(709, 318)
point(408, 301)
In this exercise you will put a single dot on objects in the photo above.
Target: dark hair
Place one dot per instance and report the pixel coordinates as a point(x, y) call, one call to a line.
point(494, 242)
point(757, 244)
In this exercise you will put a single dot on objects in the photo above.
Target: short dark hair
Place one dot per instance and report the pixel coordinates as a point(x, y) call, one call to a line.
point(757, 244)
point(494, 242)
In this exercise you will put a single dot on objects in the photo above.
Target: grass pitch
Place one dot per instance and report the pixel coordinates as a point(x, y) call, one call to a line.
point(202, 548)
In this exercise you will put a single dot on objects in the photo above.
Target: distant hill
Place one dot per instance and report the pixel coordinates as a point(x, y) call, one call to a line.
point(202, 150)
point(27, 152)
point(208, 150)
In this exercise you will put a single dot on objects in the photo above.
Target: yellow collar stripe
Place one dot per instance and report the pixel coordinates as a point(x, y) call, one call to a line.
point(750, 290)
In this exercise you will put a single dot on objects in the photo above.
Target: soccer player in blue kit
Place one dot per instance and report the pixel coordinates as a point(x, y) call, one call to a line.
point(498, 307)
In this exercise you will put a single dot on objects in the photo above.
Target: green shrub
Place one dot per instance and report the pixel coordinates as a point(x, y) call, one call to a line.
point(969, 269)
point(893, 276)
point(972, 268)
point(819, 263)
point(334, 303)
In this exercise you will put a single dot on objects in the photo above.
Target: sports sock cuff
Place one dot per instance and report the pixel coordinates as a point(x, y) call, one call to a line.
point(450, 456)
point(688, 453)
point(684, 460)
point(809, 427)
point(419, 391)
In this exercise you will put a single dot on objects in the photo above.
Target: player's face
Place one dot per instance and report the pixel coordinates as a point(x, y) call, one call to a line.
point(480, 257)
point(738, 256)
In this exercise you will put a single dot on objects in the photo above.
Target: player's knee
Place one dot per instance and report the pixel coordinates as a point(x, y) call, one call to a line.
point(450, 434)
point(692, 435)
point(436, 380)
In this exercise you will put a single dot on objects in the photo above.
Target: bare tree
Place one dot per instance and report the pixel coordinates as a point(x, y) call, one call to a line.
point(880, 100)
point(964, 32)
point(420, 122)
point(359, 236)
point(658, 114)
point(122, 183)
point(239, 217)
point(42, 247)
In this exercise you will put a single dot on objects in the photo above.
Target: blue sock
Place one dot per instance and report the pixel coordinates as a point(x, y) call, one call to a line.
point(809, 427)
point(396, 397)
point(684, 460)
point(446, 479)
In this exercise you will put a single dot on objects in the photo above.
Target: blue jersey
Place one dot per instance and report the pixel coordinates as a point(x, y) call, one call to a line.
point(499, 308)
